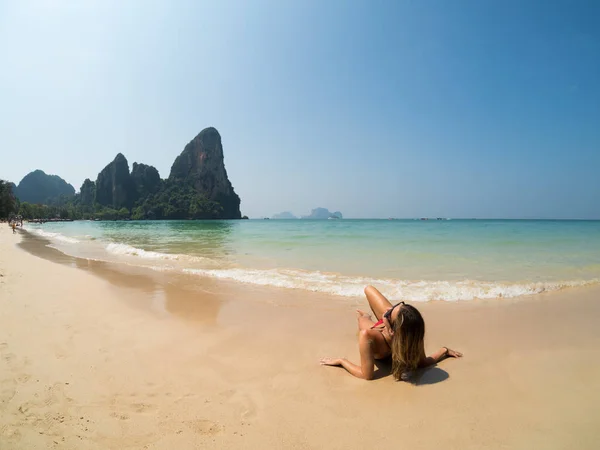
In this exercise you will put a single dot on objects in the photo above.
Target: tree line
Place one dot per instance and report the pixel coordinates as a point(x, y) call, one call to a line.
point(8, 201)
point(177, 201)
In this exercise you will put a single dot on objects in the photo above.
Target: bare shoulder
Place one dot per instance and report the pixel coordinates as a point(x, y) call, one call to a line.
point(376, 342)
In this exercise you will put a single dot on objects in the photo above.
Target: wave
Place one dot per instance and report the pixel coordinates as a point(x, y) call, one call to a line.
point(56, 236)
point(418, 291)
point(128, 250)
point(124, 249)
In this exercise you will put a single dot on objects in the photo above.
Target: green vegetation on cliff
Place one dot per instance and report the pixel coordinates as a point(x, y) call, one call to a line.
point(177, 201)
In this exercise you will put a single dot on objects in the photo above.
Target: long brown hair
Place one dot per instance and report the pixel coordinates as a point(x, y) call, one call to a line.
point(407, 342)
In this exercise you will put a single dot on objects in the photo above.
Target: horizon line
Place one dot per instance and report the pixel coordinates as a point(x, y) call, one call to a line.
point(434, 219)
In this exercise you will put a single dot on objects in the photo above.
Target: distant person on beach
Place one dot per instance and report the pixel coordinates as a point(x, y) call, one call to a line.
point(399, 333)
point(14, 227)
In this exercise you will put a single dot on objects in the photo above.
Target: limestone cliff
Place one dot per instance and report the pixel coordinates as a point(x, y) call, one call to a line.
point(87, 192)
point(114, 186)
point(201, 165)
point(38, 187)
point(146, 179)
point(197, 188)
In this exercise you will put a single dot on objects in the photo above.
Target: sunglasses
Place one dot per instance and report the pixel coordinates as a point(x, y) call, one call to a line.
point(388, 313)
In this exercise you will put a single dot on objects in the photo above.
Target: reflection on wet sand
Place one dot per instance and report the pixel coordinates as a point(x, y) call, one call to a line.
point(171, 293)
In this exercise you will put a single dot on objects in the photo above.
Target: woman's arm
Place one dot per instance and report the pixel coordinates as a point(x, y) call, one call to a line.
point(436, 357)
point(366, 369)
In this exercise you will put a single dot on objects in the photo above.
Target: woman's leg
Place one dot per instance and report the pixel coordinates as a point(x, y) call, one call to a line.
point(378, 303)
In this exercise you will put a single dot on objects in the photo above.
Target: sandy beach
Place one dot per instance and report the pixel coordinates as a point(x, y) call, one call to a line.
point(100, 356)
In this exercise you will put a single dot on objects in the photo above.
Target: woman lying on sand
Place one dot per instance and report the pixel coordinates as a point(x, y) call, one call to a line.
point(399, 332)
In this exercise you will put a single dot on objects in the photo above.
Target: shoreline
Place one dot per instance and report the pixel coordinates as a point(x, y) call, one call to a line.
point(150, 281)
point(420, 282)
point(156, 360)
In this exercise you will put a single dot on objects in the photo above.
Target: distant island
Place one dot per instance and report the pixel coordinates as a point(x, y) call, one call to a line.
point(284, 215)
point(315, 214)
point(197, 188)
point(323, 213)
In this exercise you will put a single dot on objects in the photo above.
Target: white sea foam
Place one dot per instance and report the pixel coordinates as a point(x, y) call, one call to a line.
point(55, 236)
point(395, 289)
point(128, 250)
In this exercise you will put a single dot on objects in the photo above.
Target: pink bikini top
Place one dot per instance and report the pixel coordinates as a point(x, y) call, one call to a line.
point(379, 322)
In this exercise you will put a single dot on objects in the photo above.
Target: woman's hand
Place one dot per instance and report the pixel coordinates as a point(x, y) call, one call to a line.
point(453, 353)
point(331, 361)
point(438, 356)
point(363, 314)
point(364, 320)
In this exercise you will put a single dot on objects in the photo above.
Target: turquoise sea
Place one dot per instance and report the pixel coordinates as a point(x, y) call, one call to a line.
point(407, 259)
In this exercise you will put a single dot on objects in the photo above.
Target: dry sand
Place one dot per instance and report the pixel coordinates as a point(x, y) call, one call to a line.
point(99, 356)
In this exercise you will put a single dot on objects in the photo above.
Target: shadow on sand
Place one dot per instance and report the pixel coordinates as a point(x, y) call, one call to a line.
point(430, 375)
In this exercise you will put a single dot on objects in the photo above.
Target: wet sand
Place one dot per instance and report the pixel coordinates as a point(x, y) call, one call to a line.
point(109, 356)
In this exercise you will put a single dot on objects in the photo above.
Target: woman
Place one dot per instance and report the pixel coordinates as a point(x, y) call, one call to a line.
point(399, 333)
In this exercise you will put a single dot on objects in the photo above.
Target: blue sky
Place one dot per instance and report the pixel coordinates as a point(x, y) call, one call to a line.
point(374, 108)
